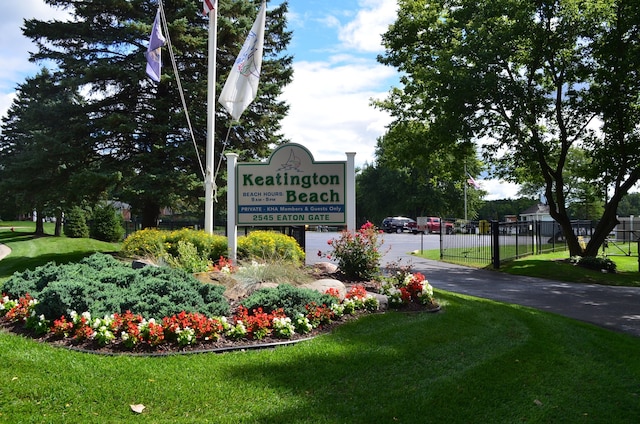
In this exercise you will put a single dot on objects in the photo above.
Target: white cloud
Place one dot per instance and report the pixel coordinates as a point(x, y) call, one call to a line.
point(15, 47)
point(372, 20)
point(498, 189)
point(330, 112)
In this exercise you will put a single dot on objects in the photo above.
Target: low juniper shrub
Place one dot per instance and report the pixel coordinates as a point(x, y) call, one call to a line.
point(291, 299)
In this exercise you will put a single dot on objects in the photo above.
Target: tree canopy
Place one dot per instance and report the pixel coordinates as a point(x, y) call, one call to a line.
point(47, 160)
point(137, 126)
point(527, 83)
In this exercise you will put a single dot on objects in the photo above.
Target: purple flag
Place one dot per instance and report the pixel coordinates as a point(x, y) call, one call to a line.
point(156, 41)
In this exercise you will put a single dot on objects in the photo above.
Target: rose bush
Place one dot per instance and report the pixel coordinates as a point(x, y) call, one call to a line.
point(357, 252)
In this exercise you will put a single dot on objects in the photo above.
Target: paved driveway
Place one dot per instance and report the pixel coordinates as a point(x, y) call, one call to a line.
point(615, 308)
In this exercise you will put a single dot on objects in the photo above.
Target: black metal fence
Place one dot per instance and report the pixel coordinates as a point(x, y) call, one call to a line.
point(485, 243)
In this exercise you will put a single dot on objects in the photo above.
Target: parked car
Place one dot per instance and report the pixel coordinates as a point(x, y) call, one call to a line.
point(398, 224)
point(432, 224)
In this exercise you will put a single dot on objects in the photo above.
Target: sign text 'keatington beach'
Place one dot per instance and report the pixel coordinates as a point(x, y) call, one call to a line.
point(291, 189)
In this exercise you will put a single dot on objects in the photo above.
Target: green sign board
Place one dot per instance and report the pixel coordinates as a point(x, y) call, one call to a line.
point(290, 188)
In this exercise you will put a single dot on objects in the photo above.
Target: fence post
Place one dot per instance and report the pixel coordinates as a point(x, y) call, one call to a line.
point(495, 236)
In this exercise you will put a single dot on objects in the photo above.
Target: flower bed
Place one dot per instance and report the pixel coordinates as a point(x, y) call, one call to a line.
point(183, 332)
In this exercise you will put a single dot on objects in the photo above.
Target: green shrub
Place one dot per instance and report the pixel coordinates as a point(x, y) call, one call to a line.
point(106, 224)
point(269, 246)
point(291, 299)
point(158, 244)
point(145, 243)
point(75, 223)
point(358, 252)
point(209, 246)
point(188, 258)
point(597, 263)
point(102, 286)
point(30, 281)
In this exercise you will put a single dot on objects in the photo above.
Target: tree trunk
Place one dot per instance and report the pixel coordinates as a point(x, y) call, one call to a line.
point(58, 230)
point(39, 223)
point(150, 214)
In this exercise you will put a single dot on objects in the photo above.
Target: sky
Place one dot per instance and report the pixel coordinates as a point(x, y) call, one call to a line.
point(336, 75)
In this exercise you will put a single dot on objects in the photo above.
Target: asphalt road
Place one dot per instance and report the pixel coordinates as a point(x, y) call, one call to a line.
point(614, 308)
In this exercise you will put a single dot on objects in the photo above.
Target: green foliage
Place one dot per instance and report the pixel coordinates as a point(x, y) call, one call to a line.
point(597, 263)
point(209, 246)
point(479, 70)
point(498, 209)
point(280, 272)
point(102, 285)
point(106, 224)
point(358, 253)
point(197, 251)
point(125, 103)
point(269, 246)
point(291, 299)
point(145, 243)
point(75, 223)
point(188, 258)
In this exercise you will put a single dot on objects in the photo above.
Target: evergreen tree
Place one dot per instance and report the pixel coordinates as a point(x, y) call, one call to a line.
point(75, 223)
point(106, 224)
point(139, 125)
point(44, 150)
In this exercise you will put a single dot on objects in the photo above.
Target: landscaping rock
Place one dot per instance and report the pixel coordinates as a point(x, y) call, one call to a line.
point(325, 268)
point(141, 263)
point(327, 283)
point(382, 299)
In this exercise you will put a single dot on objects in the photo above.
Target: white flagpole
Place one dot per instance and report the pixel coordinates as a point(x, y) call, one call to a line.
point(209, 183)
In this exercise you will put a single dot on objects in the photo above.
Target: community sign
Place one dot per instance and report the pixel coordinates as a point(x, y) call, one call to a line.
point(290, 188)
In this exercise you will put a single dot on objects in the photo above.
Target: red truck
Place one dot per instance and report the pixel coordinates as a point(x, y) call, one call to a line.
point(431, 224)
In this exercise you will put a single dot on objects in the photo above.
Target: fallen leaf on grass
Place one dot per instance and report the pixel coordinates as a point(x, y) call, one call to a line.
point(537, 402)
point(137, 408)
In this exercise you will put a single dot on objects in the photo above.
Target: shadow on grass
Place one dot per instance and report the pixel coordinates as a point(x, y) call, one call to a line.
point(16, 236)
point(10, 265)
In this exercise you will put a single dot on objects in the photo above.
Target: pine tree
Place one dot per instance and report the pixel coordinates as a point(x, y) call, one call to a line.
point(43, 149)
point(139, 126)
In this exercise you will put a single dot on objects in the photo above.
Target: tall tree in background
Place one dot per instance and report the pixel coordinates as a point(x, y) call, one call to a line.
point(138, 125)
point(47, 162)
point(528, 82)
point(435, 172)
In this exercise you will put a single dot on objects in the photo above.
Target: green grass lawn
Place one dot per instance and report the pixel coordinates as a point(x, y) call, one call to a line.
point(28, 251)
point(476, 361)
point(555, 267)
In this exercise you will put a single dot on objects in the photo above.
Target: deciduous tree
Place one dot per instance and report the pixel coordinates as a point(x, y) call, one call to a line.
point(527, 82)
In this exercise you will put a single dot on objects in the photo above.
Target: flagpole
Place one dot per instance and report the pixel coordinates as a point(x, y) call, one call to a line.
point(209, 183)
point(465, 193)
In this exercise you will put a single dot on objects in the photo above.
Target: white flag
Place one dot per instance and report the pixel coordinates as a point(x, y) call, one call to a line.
point(242, 84)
